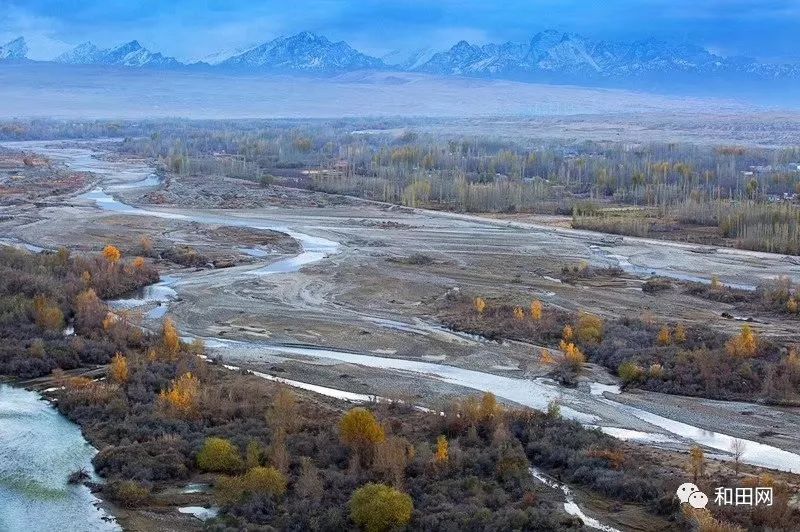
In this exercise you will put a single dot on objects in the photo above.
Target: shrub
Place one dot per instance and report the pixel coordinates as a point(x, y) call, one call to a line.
point(267, 480)
point(656, 284)
point(377, 508)
point(219, 455)
point(629, 372)
point(129, 494)
point(47, 314)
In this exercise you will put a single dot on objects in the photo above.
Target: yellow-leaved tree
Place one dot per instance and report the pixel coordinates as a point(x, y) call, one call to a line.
point(442, 449)
point(112, 254)
point(573, 356)
point(536, 310)
point(745, 344)
point(219, 455)
point(118, 370)
point(171, 340)
point(182, 396)
point(480, 304)
point(47, 313)
point(379, 508)
point(680, 334)
point(664, 336)
point(360, 430)
point(568, 334)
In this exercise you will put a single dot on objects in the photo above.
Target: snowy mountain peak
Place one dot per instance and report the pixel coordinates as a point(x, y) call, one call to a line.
point(131, 54)
point(84, 53)
point(556, 56)
point(14, 50)
point(303, 52)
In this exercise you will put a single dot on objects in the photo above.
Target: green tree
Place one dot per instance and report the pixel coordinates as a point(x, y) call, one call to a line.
point(377, 508)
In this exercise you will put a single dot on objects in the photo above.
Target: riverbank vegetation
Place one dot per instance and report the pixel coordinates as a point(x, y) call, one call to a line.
point(718, 195)
point(42, 293)
point(676, 358)
point(163, 415)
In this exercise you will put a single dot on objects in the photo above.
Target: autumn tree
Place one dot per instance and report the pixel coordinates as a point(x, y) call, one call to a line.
point(392, 457)
point(89, 312)
point(545, 357)
point(680, 334)
point(170, 339)
point(182, 396)
point(265, 480)
point(360, 430)
point(489, 409)
point(442, 449)
point(309, 485)
point(745, 344)
point(573, 356)
point(253, 454)
point(656, 371)
point(112, 254)
point(47, 314)
point(380, 508)
point(536, 310)
point(697, 465)
point(146, 246)
point(568, 334)
point(664, 336)
point(630, 372)
point(480, 304)
point(138, 263)
point(589, 329)
point(219, 455)
point(519, 313)
point(284, 411)
point(278, 451)
point(118, 370)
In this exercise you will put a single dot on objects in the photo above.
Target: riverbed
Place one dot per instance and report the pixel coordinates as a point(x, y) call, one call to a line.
point(590, 408)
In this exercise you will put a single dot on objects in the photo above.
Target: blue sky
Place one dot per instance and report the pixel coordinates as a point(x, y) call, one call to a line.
point(766, 29)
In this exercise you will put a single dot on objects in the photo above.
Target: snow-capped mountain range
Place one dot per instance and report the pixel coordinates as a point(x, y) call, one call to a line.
point(16, 50)
point(130, 54)
point(555, 54)
point(549, 56)
point(304, 52)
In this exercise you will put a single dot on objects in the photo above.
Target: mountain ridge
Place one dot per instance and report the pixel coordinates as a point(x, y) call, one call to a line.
point(549, 56)
point(14, 50)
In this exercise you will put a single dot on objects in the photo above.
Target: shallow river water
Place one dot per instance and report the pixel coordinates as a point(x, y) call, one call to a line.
point(39, 448)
